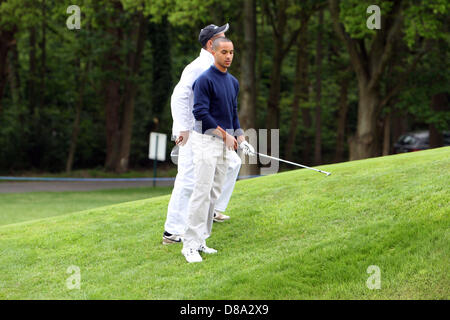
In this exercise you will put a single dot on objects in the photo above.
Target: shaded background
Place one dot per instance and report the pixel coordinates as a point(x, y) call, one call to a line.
point(88, 98)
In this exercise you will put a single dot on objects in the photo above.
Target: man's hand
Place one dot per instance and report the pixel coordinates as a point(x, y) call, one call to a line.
point(231, 142)
point(246, 147)
point(182, 138)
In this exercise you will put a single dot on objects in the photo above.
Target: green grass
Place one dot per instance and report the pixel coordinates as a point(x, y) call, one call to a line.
point(19, 207)
point(294, 235)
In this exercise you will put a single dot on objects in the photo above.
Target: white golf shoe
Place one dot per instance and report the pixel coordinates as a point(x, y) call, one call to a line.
point(203, 248)
point(191, 255)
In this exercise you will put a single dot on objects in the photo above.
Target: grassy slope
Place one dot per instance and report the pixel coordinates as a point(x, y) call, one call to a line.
point(295, 235)
point(19, 207)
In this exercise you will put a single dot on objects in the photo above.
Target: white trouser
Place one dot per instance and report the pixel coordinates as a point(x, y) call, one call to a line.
point(176, 221)
point(211, 162)
point(232, 173)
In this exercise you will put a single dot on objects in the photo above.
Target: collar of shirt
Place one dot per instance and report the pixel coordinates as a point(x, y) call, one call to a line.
point(214, 68)
point(207, 56)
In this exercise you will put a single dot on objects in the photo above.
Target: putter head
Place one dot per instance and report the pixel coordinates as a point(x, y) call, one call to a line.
point(328, 174)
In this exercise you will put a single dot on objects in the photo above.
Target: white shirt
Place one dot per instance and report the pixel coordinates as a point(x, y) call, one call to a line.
point(182, 100)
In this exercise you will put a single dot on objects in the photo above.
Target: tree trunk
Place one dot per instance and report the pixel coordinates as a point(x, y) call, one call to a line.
point(399, 125)
point(387, 135)
point(13, 74)
point(278, 20)
point(112, 104)
point(32, 72)
point(364, 144)
point(43, 57)
point(318, 136)
point(259, 57)
point(112, 108)
point(6, 40)
point(162, 65)
point(342, 120)
point(130, 93)
point(75, 131)
point(439, 102)
point(247, 112)
point(369, 65)
point(300, 85)
point(34, 151)
point(112, 98)
point(76, 123)
point(273, 121)
point(307, 138)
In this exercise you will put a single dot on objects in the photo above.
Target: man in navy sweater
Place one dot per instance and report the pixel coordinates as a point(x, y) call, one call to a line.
point(213, 141)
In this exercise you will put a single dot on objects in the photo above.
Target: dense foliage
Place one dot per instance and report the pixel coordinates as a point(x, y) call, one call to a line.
point(89, 98)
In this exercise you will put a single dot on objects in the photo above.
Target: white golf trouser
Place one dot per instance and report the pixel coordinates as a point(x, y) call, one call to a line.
point(176, 221)
point(211, 162)
point(232, 173)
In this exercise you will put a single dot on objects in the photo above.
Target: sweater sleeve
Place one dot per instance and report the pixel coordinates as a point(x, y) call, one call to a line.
point(202, 101)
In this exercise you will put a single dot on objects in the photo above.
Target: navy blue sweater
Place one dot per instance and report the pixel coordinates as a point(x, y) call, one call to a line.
point(215, 101)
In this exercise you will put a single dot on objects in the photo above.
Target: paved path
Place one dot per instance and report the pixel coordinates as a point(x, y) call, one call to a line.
point(35, 184)
point(19, 187)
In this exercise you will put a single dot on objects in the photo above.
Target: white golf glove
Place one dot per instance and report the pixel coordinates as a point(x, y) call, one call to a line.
point(247, 148)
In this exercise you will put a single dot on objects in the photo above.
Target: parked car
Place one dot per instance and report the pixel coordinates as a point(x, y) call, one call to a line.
point(416, 141)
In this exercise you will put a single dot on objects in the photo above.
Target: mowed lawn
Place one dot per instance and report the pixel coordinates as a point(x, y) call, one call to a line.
point(19, 207)
point(294, 235)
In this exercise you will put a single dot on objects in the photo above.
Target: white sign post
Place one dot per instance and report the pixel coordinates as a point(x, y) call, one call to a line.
point(157, 150)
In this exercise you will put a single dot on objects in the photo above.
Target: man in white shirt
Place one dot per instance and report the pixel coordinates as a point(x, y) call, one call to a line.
point(182, 102)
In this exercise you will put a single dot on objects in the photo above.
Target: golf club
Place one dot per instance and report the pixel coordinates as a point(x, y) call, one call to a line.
point(289, 162)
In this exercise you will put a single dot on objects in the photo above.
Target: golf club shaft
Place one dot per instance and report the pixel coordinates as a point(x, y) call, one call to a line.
point(293, 163)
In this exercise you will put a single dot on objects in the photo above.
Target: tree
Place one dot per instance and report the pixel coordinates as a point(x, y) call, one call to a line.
point(301, 90)
point(32, 76)
point(423, 102)
point(318, 136)
point(284, 36)
point(13, 74)
point(127, 33)
point(247, 113)
point(342, 117)
point(112, 96)
point(43, 47)
point(79, 105)
point(134, 63)
point(440, 102)
point(7, 40)
point(371, 50)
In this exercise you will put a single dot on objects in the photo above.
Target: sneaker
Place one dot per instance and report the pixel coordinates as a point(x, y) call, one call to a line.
point(220, 217)
point(191, 255)
point(169, 238)
point(205, 249)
